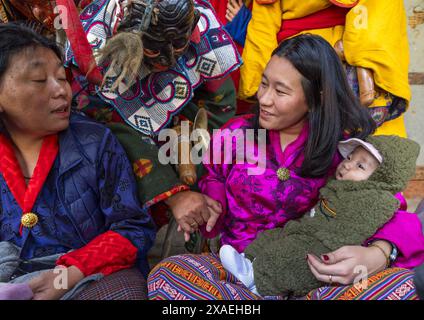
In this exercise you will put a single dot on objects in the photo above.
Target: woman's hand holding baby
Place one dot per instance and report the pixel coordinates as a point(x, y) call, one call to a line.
point(349, 263)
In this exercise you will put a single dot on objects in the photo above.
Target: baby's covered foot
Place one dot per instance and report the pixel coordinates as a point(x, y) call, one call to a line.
point(238, 265)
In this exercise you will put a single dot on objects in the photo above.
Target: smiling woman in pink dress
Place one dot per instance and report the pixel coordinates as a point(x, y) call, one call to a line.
point(306, 107)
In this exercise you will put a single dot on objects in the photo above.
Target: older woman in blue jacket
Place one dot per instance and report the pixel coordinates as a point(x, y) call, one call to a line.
point(68, 195)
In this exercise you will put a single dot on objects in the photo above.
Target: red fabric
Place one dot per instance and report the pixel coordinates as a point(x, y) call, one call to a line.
point(79, 43)
point(245, 107)
point(220, 7)
point(235, 75)
point(159, 212)
point(163, 196)
point(195, 36)
point(25, 195)
point(214, 84)
point(84, 3)
point(329, 17)
point(107, 253)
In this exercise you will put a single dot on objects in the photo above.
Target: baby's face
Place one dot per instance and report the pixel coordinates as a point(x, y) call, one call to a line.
point(358, 166)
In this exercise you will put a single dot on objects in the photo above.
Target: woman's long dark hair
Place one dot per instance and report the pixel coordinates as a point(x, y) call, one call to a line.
point(333, 107)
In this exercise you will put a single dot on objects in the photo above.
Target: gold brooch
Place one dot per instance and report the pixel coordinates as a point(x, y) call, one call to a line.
point(29, 220)
point(283, 174)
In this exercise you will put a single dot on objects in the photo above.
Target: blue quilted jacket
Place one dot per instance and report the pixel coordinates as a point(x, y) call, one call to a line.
point(90, 190)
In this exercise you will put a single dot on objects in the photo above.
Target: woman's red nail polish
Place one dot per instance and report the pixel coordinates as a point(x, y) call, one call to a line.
point(325, 257)
point(307, 257)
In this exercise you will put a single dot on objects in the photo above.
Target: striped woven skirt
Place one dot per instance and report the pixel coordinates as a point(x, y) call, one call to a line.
point(202, 277)
point(390, 284)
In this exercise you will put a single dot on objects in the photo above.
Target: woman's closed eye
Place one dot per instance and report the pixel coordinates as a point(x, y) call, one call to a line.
point(361, 166)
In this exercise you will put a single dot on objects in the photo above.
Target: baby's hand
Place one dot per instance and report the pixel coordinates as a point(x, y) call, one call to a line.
point(233, 7)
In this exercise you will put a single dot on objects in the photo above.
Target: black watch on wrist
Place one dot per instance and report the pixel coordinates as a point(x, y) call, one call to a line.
point(393, 255)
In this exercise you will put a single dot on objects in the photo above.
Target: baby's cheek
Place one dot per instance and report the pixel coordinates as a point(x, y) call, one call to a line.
point(369, 174)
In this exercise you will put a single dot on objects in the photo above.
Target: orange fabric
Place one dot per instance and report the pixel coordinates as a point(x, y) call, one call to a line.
point(106, 254)
point(344, 4)
point(266, 1)
point(25, 195)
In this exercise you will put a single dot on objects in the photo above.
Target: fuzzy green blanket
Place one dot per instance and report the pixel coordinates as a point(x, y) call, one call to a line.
point(348, 213)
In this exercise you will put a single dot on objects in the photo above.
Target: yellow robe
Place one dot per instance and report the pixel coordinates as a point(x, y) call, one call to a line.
point(374, 37)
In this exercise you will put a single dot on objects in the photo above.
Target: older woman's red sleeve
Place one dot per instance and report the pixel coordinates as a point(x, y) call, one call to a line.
point(106, 254)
